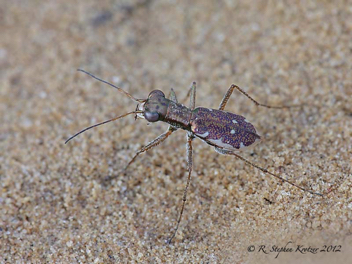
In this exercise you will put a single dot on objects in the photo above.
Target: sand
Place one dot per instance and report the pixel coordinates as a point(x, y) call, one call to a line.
point(57, 204)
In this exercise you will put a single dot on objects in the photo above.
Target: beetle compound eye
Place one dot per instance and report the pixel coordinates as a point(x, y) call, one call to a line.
point(156, 93)
point(151, 116)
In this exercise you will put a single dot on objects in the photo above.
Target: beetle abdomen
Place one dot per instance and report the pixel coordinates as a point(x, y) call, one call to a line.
point(223, 129)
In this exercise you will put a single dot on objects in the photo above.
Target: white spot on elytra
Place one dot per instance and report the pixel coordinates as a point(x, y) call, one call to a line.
point(242, 146)
point(219, 143)
point(233, 132)
point(204, 135)
point(245, 120)
point(234, 121)
point(211, 110)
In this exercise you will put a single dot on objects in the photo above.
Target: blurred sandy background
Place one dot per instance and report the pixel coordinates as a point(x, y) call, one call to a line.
point(55, 204)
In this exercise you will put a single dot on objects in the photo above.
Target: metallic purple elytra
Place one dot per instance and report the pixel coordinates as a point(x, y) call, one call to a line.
point(223, 129)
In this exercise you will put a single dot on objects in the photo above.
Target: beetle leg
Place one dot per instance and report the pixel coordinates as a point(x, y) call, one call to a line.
point(172, 96)
point(192, 100)
point(228, 152)
point(152, 144)
point(190, 137)
point(233, 86)
point(190, 91)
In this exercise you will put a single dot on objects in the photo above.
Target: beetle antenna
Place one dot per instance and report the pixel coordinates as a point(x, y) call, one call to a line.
point(102, 123)
point(118, 88)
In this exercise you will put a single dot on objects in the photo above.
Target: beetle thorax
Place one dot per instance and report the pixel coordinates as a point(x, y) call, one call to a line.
point(178, 115)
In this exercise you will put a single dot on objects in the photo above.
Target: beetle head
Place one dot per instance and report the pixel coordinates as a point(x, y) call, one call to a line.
point(155, 107)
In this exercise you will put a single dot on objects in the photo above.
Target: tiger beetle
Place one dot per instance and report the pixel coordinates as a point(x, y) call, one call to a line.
point(228, 133)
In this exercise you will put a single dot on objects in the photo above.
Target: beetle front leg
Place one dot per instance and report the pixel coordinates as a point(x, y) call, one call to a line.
point(152, 144)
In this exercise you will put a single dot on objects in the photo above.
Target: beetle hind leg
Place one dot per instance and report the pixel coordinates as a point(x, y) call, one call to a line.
point(233, 87)
point(228, 152)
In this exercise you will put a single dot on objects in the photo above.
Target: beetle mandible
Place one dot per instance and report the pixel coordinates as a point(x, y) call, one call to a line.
point(228, 133)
